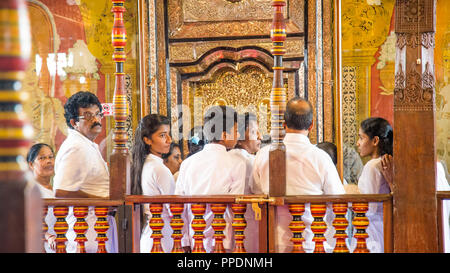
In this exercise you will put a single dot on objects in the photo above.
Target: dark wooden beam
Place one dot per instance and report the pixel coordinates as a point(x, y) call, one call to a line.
point(415, 209)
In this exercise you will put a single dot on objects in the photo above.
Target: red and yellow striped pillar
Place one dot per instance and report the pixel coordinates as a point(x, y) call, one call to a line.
point(297, 226)
point(198, 225)
point(218, 224)
point(361, 222)
point(101, 227)
point(80, 227)
point(20, 200)
point(119, 159)
point(277, 154)
point(156, 224)
point(177, 225)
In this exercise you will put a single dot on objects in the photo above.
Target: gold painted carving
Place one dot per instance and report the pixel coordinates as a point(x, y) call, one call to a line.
point(220, 10)
point(220, 18)
point(246, 90)
point(191, 51)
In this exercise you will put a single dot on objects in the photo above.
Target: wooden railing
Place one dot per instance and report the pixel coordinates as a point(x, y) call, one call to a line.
point(129, 216)
point(340, 204)
point(79, 210)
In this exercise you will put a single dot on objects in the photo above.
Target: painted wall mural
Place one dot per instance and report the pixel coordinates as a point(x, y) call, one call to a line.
point(71, 51)
point(442, 72)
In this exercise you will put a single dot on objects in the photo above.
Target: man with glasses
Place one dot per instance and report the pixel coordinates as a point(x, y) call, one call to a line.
point(80, 170)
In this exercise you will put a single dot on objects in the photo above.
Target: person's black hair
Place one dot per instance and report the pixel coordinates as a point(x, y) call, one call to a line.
point(220, 116)
point(196, 140)
point(140, 150)
point(81, 99)
point(298, 119)
point(34, 151)
point(243, 123)
point(330, 148)
point(173, 145)
point(381, 128)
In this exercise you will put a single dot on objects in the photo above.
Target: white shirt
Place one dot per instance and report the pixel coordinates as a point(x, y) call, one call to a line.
point(249, 159)
point(156, 180)
point(79, 165)
point(309, 170)
point(211, 171)
point(45, 193)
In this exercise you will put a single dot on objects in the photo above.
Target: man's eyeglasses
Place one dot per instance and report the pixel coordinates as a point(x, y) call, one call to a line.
point(88, 116)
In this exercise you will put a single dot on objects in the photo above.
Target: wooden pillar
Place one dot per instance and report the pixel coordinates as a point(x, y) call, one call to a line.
point(20, 200)
point(415, 212)
point(119, 159)
point(277, 154)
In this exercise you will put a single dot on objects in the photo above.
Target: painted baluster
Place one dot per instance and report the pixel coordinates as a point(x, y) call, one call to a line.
point(101, 227)
point(318, 226)
point(297, 227)
point(177, 225)
point(156, 224)
point(80, 227)
point(218, 225)
point(340, 223)
point(361, 222)
point(239, 225)
point(198, 225)
point(61, 228)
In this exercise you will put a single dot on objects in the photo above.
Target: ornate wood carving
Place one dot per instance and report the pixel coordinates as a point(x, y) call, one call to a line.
point(200, 18)
point(414, 116)
point(413, 16)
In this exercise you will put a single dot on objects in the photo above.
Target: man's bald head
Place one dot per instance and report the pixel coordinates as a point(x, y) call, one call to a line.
point(298, 114)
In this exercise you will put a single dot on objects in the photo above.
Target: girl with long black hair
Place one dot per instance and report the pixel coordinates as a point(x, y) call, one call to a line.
point(375, 140)
point(149, 174)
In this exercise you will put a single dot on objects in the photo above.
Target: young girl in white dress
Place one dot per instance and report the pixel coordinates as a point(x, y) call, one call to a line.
point(375, 140)
point(149, 174)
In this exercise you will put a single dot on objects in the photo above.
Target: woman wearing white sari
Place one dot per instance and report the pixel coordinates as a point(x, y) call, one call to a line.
point(375, 140)
point(149, 174)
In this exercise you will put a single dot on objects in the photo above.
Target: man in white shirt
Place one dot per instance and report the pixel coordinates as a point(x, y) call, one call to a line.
point(309, 170)
point(80, 170)
point(212, 171)
point(247, 146)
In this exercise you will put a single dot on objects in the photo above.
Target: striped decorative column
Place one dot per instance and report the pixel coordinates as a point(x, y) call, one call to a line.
point(277, 154)
point(101, 227)
point(119, 159)
point(361, 222)
point(80, 227)
point(20, 203)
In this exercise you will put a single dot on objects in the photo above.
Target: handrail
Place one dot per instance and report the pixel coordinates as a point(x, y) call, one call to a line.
point(338, 198)
point(443, 194)
point(97, 202)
